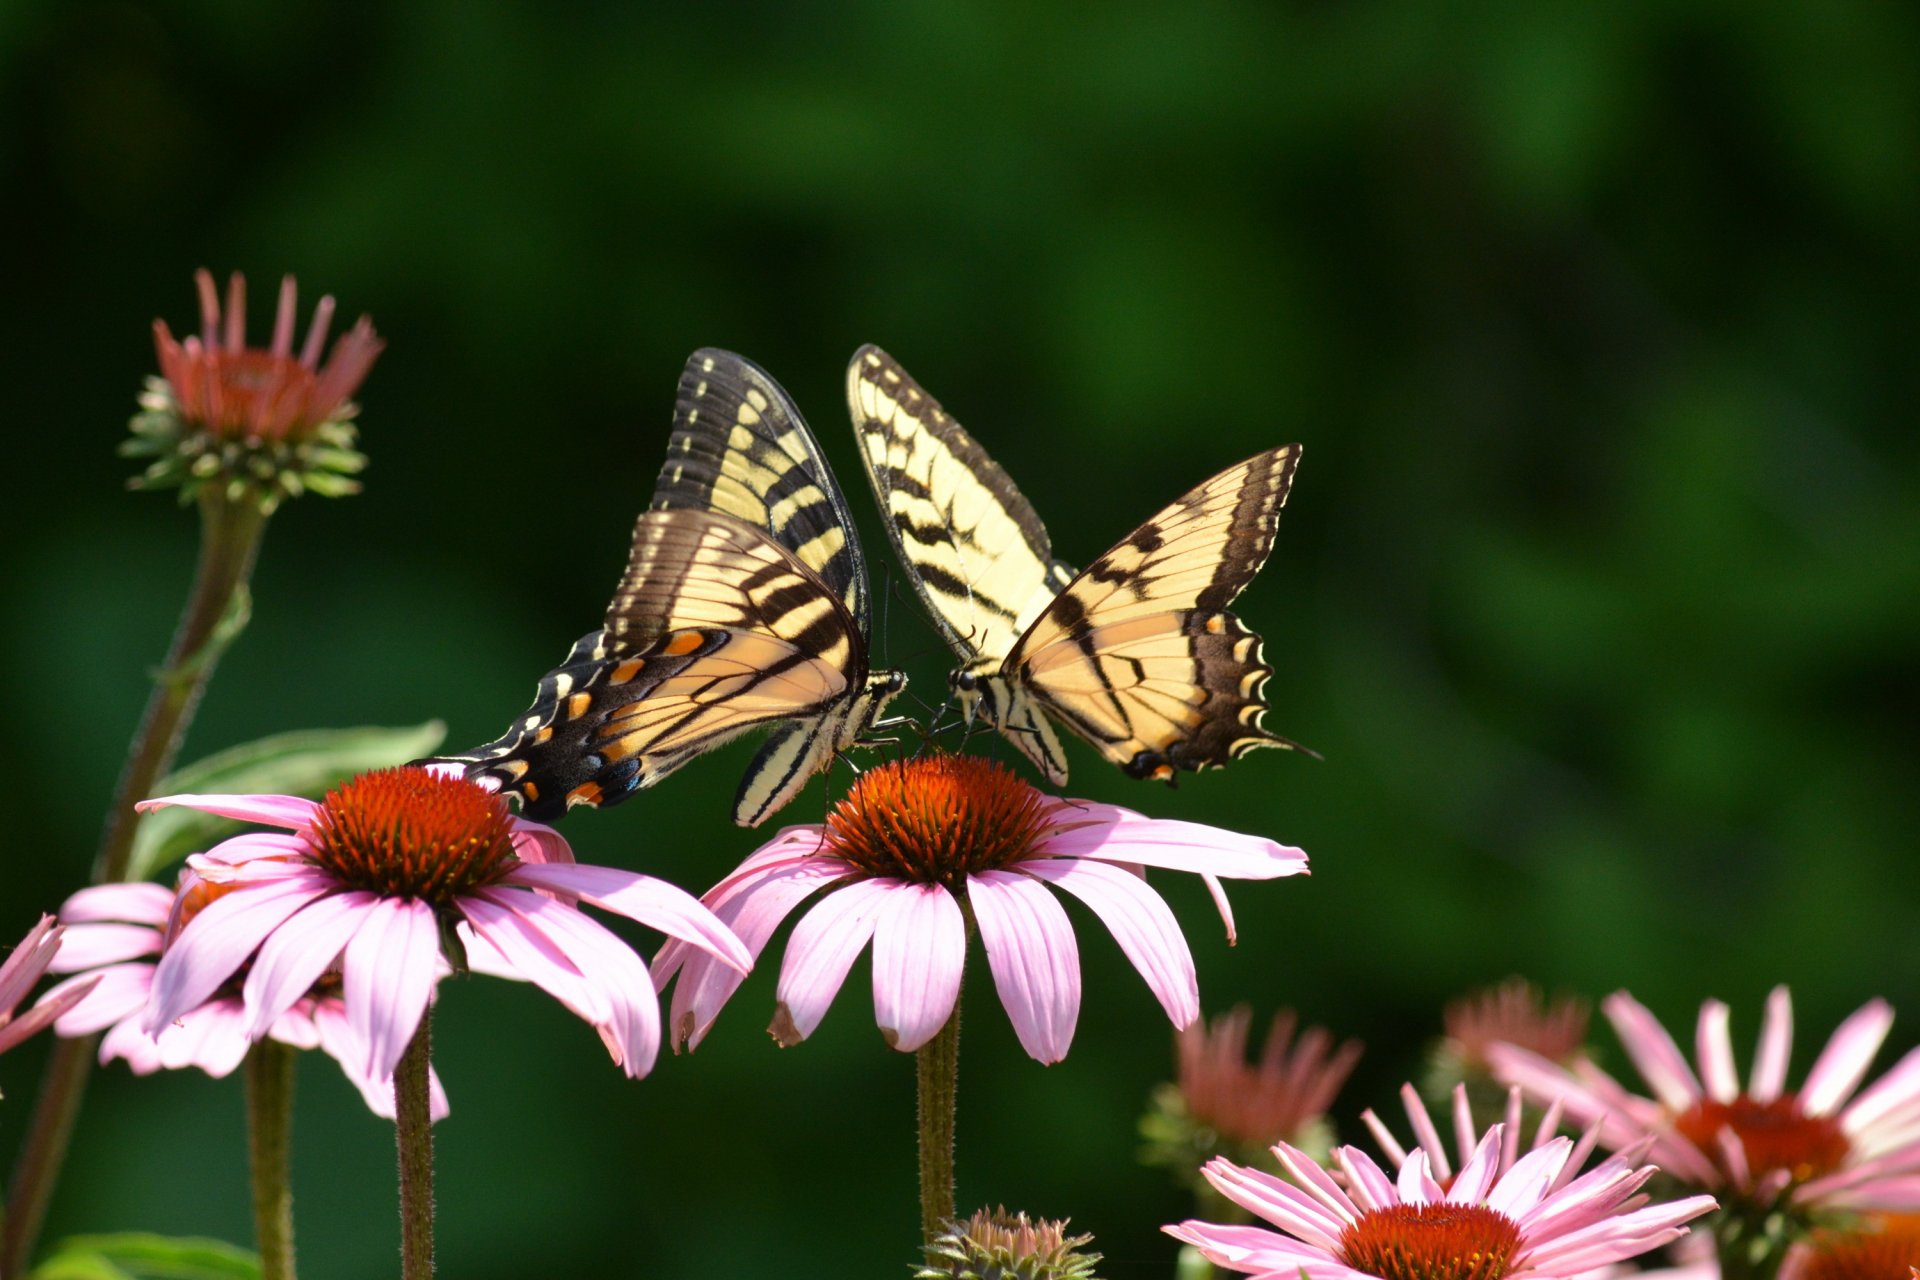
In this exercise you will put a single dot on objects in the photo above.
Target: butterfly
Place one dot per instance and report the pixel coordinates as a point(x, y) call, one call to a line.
point(1137, 654)
point(743, 604)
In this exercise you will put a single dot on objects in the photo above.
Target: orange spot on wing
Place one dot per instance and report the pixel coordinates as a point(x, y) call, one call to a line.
point(577, 705)
point(587, 793)
point(682, 643)
point(626, 671)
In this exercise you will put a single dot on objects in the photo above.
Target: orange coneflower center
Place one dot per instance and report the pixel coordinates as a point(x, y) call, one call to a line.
point(1431, 1242)
point(195, 896)
point(1775, 1135)
point(410, 833)
point(937, 819)
point(1863, 1255)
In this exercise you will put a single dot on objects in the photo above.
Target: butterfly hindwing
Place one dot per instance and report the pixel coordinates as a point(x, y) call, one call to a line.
point(978, 554)
point(1139, 654)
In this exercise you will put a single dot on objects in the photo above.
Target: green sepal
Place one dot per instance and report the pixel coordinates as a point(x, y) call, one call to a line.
point(136, 1255)
point(305, 762)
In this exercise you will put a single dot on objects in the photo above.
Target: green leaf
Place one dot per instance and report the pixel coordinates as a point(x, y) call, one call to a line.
point(136, 1254)
point(303, 763)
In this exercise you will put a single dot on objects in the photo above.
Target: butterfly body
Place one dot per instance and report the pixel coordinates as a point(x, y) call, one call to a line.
point(743, 606)
point(1138, 654)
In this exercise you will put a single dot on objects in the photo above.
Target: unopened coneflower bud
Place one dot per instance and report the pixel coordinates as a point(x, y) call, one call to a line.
point(258, 424)
point(997, 1245)
point(1511, 1012)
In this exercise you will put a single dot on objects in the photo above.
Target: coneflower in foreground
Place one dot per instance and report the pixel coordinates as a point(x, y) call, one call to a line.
point(917, 845)
point(1536, 1218)
point(371, 881)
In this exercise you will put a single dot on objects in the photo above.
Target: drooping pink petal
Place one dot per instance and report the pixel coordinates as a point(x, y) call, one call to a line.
point(295, 1027)
point(1120, 835)
point(337, 1041)
point(1776, 1044)
point(1258, 1251)
point(387, 974)
point(650, 901)
point(294, 956)
point(1841, 1066)
point(753, 907)
point(1659, 1061)
point(291, 812)
point(821, 950)
point(631, 1029)
point(121, 993)
point(1218, 892)
point(1713, 1049)
point(919, 948)
point(49, 1008)
point(251, 853)
point(500, 927)
point(218, 941)
point(1141, 923)
point(209, 1037)
point(127, 1042)
point(90, 946)
point(28, 961)
point(537, 843)
point(138, 903)
point(1033, 958)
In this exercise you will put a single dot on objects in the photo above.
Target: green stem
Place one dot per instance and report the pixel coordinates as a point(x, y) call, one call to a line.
point(269, 1146)
point(938, 1063)
point(229, 540)
point(413, 1126)
point(1752, 1240)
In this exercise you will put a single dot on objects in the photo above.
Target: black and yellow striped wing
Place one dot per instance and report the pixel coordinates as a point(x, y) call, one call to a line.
point(740, 446)
point(716, 628)
point(974, 547)
point(1139, 654)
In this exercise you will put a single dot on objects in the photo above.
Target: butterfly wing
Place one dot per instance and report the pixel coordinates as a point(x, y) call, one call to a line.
point(740, 446)
point(1139, 654)
point(715, 628)
point(973, 545)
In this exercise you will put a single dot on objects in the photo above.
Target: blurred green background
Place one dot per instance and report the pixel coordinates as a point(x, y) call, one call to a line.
point(1597, 590)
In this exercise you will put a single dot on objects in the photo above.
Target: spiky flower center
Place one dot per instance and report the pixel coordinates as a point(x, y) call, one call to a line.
point(1890, 1254)
point(997, 1245)
point(1431, 1242)
point(410, 833)
point(938, 819)
point(1775, 1135)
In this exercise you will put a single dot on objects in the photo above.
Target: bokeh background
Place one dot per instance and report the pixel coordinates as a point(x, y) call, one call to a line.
point(1597, 590)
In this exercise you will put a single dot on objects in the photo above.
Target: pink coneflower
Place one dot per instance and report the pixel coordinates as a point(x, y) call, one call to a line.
point(1814, 1147)
point(237, 392)
point(258, 421)
point(1529, 1221)
point(116, 934)
point(914, 848)
point(1514, 1012)
point(36, 954)
point(369, 882)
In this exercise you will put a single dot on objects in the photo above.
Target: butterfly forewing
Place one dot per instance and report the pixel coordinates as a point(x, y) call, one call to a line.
point(1139, 654)
point(979, 556)
point(739, 446)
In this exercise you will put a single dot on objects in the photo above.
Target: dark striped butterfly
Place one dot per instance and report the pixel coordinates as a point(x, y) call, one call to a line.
point(744, 604)
point(1137, 654)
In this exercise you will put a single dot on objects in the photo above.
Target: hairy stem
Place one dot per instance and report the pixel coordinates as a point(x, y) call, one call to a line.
point(938, 1063)
point(413, 1125)
point(269, 1148)
point(229, 540)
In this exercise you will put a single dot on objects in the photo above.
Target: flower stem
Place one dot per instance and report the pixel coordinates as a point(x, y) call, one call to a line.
point(269, 1148)
point(938, 1063)
point(215, 611)
point(413, 1124)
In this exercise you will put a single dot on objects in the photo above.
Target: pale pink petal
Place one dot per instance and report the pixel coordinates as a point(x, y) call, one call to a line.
point(1258, 1251)
point(140, 903)
point(1416, 1184)
point(1120, 835)
point(337, 1041)
point(1477, 1174)
point(919, 949)
point(1776, 1044)
point(219, 940)
point(821, 950)
point(500, 928)
point(135, 1047)
point(652, 902)
point(295, 1027)
point(609, 967)
point(1425, 1133)
point(387, 974)
point(28, 961)
point(1383, 1136)
point(1653, 1051)
point(121, 993)
point(1367, 1183)
point(291, 812)
point(1838, 1070)
point(1616, 1238)
point(1218, 892)
point(294, 956)
point(89, 946)
point(1033, 958)
point(1713, 1050)
point(50, 1007)
point(1141, 923)
point(1278, 1201)
point(538, 843)
point(210, 1037)
point(1317, 1182)
point(1892, 1094)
